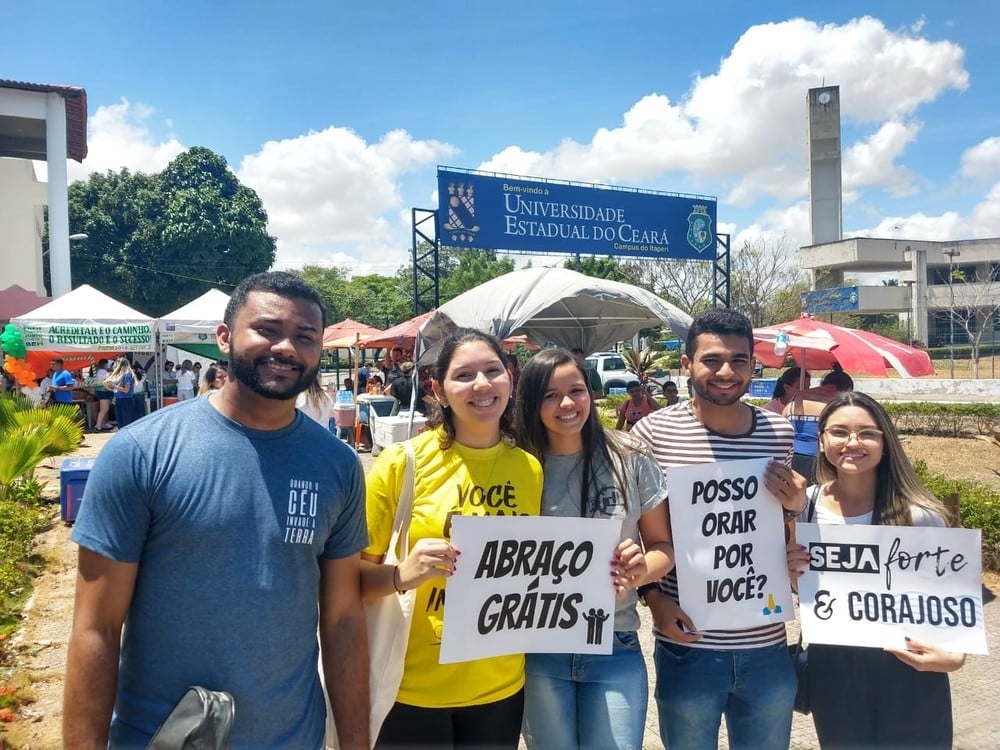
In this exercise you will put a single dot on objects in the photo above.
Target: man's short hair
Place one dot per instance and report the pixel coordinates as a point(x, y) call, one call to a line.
point(57, 361)
point(670, 385)
point(282, 283)
point(721, 321)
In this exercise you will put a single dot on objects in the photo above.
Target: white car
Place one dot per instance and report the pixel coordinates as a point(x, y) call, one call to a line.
point(611, 367)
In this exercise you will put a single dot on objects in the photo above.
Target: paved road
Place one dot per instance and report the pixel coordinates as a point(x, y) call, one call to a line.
point(975, 688)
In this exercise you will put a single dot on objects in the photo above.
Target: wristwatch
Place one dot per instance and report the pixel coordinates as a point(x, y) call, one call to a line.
point(645, 589)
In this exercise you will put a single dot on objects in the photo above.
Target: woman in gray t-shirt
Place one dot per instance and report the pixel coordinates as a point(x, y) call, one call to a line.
point(591, 700)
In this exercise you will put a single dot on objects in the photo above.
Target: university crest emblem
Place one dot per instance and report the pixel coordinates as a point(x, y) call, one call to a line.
point(461, 221)
point(699, 234)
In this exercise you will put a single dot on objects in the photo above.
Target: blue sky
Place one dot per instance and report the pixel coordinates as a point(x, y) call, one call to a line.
point(337, 114)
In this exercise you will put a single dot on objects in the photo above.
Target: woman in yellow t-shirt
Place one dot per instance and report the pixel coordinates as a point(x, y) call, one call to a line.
point(469, 451)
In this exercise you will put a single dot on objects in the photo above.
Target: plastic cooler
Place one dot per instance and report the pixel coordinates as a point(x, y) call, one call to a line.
point(72, 481)
point(395, 429)
point(343, 415)
point(368, 403)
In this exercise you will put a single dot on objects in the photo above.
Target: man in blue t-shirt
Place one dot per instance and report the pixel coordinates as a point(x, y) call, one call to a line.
point(62, 383)
point(227, 531)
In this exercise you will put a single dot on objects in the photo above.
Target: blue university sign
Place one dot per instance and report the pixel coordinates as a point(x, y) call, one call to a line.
point(838, 299)
point(515, 213)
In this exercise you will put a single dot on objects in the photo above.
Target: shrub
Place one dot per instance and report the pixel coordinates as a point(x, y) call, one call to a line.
point(980, 508)
point(948, 420)
point(21, 519)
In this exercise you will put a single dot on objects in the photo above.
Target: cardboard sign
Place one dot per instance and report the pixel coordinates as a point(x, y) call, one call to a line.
point(530, 584)
point(874, 585)
point(729, 540)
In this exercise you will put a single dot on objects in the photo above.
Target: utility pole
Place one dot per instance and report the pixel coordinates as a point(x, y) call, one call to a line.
point(952, 253)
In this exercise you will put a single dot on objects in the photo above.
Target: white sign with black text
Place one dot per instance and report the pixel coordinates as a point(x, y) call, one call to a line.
point(729, 540)
point(874, 585)
point(530, 584)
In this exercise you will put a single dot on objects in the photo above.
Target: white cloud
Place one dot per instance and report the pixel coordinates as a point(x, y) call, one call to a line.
point(119, 136)
point(982, 160)
point(745, 124)
point(334, 198)
point(873, 161)
point(330, 192)
point(985, 217)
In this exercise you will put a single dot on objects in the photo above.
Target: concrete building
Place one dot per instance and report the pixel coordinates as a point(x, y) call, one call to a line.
point(38, 122)
point(923, 270)
point(934, 277)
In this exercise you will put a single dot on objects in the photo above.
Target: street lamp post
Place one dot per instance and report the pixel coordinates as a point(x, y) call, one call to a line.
point(952, 253)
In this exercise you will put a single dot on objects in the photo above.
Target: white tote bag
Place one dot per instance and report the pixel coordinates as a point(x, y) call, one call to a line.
point(388, 620)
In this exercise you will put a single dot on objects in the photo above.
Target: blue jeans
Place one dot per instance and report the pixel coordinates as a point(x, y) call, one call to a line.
point(587, 700)
point(124, 411)
point(753, 687)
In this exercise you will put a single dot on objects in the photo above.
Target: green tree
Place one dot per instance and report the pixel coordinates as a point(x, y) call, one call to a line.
point(462, 269)
point(761, 271)
point(330, 282)
point(599, 268)
point(157, 241)
point(686, 284)
point(380, 301)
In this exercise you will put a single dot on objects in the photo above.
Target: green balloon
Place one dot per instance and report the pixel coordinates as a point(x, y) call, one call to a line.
point(12, 342)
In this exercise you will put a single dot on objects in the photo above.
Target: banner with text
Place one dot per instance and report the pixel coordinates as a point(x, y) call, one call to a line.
point(874, 585)
point(516, 213)
point(132, 337)
point(530, 584)
point(729, 540)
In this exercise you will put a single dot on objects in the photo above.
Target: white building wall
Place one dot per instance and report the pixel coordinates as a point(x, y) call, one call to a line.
point(22, 197)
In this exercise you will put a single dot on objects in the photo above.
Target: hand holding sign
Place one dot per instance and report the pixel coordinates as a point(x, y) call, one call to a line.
point(628, 567)
point(429, 558)
point(787, 485)
point(926, 657)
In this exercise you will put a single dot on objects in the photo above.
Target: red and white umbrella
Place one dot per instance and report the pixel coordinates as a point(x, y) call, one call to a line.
point(402, 334)
point(815, 345)
point(345, 334)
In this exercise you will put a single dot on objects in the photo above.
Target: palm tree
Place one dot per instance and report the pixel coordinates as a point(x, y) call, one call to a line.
point(29, 435)
point(647, 363)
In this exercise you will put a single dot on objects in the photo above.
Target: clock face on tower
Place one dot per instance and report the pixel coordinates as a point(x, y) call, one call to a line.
point(823, 98)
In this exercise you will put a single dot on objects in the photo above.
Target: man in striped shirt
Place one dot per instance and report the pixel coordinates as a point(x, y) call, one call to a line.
point(746, 674)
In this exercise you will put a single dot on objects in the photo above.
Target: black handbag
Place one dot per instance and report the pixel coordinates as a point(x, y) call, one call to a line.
point(201, 720)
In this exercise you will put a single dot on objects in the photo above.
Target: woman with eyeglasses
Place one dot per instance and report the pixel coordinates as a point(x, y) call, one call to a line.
point(870, 697)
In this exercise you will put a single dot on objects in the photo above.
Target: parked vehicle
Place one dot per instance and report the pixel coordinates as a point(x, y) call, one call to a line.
point(612, 369)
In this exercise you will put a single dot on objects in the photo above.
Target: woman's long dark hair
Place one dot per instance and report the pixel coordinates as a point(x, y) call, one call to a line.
point(789, 377)
point(897, 486)
point(599, 447)
point(438, 416)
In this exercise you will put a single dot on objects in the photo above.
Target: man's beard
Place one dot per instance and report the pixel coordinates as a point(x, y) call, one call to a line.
point(245, 371)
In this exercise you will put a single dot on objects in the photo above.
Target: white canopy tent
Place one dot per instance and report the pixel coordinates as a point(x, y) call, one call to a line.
point(192, 327)
point(86, 321)
point(552, 306)
point(80, 327)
